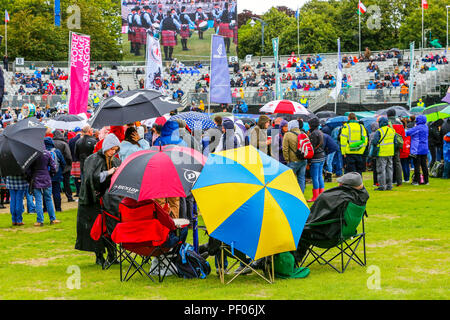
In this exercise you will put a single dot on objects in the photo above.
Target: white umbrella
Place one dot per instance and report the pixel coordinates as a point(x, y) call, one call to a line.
point(66, 122)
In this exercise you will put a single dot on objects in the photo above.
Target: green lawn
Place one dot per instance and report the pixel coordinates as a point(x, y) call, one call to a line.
point(407, 239)
point(199, 49)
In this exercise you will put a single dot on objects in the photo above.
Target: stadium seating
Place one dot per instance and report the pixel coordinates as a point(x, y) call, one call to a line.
point(196, 89)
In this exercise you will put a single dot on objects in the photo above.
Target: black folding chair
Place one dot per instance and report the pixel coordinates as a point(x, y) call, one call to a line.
point(347, 242)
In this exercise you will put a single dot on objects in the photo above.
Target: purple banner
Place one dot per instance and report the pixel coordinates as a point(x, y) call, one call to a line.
point(220, 75)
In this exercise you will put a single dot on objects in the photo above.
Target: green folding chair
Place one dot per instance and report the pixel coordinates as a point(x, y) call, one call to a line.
point(346, 243)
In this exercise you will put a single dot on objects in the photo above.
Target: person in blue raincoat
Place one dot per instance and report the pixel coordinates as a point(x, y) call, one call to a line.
point(419, 148)
point(170, 135)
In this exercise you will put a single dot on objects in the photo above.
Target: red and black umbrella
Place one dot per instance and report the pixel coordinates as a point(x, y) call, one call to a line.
point(160, 172)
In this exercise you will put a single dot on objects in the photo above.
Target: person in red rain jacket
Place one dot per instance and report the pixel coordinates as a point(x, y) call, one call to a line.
point(404, 151)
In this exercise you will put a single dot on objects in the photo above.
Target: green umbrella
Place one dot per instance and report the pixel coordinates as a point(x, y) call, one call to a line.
point(435, 108)
point(362, 114)
point(443, 114)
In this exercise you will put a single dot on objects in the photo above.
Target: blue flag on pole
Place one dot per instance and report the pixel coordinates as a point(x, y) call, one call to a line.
point(220, 75)
point(57, 13)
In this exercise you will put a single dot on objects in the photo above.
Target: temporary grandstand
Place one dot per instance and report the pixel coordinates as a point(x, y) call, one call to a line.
point(430, 85)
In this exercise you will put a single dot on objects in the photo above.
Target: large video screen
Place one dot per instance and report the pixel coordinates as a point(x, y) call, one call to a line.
point(183, 27)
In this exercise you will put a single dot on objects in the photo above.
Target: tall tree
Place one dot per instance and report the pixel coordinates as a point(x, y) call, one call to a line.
point(33, 35)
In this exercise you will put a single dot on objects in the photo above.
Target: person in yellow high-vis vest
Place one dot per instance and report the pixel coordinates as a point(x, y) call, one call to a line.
point(96, 100)
point(354, 141)
point(304, 101)
point(421, 103)
point(383, 148)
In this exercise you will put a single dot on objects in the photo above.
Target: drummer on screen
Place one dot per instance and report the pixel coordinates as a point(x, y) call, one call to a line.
point(169, 29)
point(131, 32)
point(140, 32)
point(185, 31)
point(200, 17)
point(159, 16)
point(216, 12)
point(147, 18)
point(224, 27)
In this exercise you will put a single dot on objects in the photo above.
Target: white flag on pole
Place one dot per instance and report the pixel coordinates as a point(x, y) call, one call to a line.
point(336, 90)
point(153, 68)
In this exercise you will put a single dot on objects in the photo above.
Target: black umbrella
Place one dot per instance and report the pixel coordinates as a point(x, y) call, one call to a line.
point(399, 111)
point(248, 121)
point(325, 114)
point(132, 106)
point(20, 145)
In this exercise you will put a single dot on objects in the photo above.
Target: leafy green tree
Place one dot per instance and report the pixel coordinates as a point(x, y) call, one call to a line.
point(434, 19)
point(33, 35)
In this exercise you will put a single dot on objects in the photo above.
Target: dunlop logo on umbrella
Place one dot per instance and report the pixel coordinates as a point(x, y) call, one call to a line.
point(191, 176)
point(127, 189)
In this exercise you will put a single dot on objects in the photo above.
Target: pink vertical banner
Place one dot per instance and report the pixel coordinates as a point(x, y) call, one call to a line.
point(80, 71)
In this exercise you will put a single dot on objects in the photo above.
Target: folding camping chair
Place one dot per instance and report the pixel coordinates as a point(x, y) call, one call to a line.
point(347, 241)
point(266, 263)
point(147, 231)
point(100, 231)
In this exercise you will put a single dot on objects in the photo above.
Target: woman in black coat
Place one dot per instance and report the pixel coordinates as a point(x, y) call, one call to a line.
point(435, 140)
point(97, 172)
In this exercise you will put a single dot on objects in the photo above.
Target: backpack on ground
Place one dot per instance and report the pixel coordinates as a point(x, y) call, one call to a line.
point(437, 170)
point(190, 264)
point(305, 148)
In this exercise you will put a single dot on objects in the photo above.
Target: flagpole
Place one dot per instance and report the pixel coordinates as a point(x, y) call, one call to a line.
point(298, 33)
point(210, 77)
point(337, 77)
point(6, 38)
point(359, 23)
point(423, 42)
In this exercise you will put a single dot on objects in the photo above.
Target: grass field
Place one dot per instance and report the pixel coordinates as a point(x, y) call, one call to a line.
point(407, 240)
point(199, 49)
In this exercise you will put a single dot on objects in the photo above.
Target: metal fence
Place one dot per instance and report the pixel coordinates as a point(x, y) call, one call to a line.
point(17, 101)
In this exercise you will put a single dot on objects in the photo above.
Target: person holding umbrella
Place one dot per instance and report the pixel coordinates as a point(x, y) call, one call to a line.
point(17, 186)
point(98, 170)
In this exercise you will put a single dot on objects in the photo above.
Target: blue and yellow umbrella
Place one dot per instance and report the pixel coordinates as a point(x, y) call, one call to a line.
point(251, 202)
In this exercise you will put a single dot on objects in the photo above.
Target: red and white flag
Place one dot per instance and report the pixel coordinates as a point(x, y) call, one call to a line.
point(361, 8)
point(6, 16)
point(425, 4)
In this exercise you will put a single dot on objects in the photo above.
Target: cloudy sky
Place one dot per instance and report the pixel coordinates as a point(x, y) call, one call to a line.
point(261, 6)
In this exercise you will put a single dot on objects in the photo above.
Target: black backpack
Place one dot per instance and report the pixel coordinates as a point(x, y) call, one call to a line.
point(190, 264)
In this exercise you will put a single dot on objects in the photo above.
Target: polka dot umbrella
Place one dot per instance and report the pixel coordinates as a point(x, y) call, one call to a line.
point(195, 120)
